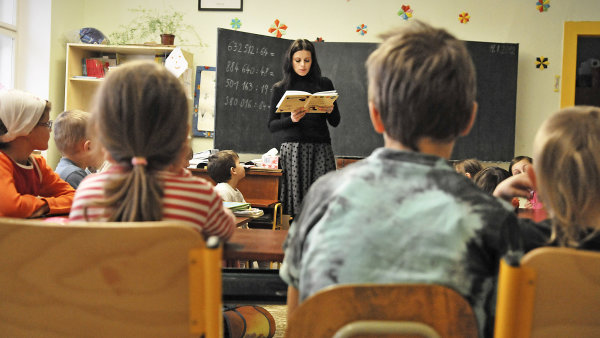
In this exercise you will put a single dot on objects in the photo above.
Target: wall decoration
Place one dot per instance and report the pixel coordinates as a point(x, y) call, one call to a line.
point(278, 28)
point(541, 62)
point(236, 23)
point(542, 5)
point(362, 29)
point(405, 12)
point(203, 118)
point(221, 5)
point(464, 17)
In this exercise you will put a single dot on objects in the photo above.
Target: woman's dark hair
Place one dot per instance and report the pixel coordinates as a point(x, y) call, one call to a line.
point(289, 75)
point(488, 178)
point(518, 159)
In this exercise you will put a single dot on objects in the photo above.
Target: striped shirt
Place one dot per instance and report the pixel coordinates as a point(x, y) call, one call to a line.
point(186, 198)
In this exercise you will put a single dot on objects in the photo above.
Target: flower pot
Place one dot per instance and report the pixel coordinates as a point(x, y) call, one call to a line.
point(167, 39)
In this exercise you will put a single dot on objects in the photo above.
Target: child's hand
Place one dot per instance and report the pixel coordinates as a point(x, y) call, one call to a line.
point(298, 114)
point(514, 186)
point(41, 211)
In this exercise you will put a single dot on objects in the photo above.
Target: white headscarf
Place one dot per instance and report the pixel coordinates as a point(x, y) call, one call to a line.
point(20, 112)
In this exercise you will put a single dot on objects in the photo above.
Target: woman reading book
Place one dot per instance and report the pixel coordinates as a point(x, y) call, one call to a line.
point(306, 152)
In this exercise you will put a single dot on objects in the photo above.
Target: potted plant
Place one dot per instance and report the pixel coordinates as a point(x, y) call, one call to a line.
point(149, 24)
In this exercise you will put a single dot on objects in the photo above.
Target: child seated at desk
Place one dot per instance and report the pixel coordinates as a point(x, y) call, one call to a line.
point(28, 186)
point(140, 116)
point(79, 154)
point(226, 170)
point(566, 173)
point(403, 214)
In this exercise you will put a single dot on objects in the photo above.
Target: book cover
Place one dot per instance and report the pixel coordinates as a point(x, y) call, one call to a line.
point(292, 100)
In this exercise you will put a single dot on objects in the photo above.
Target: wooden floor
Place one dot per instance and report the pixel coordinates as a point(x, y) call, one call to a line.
point(279, 312)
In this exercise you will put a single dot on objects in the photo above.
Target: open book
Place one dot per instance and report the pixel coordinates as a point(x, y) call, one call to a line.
point(294, 99)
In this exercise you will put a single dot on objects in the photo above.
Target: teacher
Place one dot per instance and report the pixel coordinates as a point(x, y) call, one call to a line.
point(306, 152)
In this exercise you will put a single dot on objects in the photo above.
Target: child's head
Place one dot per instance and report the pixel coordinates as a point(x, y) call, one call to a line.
point(487, 179)
point(22, 115)
point(224, 165)
point(140, 114)
point(469, 167)
point(567, 170)
point(519, 164)
point(422, 84)
point(72, 138)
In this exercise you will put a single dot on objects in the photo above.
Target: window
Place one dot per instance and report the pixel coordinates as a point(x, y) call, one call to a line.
point(8, 34)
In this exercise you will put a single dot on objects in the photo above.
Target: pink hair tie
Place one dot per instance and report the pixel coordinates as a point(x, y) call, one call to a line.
point(139, 161)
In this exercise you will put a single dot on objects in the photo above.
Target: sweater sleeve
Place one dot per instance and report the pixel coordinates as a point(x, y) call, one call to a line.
point(56, 192)
point(334, 117)
point(13, 203)
point(278, 121)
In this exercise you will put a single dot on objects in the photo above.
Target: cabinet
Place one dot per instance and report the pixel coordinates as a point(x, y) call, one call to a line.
point(79, 92)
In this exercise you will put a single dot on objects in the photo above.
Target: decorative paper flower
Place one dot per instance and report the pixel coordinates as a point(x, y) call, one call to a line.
point(236, 23)
point(319, 39)
point(542, 5)
point(541, 63)
point(362, 29)
point(464, 17)
point(405, 12)
point(278, 28)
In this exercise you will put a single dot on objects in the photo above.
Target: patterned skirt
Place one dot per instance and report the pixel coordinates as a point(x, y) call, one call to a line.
point(302, 164)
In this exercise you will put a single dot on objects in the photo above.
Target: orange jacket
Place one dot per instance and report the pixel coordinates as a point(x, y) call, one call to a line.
point(54, 191)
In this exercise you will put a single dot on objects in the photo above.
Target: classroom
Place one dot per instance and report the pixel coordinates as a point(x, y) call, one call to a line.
point(36, 46)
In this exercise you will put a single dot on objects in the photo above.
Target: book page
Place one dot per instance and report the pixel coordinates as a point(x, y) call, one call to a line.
point(292, 102)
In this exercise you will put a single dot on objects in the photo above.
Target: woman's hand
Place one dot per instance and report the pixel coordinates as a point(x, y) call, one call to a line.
point(298, 114)
point(326, 109)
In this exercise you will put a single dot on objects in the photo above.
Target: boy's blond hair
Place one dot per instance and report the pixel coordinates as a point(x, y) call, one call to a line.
point(70, 128)
point(567, 167)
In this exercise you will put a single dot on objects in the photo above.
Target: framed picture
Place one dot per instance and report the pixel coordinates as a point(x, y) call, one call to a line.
point(221, 5)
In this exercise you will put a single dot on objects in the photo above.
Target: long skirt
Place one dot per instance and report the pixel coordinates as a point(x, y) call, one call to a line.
point(302, 164)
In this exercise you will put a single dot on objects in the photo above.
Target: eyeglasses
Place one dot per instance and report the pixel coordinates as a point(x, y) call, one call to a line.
point(46, 124)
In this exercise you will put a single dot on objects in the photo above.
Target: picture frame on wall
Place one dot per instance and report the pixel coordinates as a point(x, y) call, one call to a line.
point(221, 5)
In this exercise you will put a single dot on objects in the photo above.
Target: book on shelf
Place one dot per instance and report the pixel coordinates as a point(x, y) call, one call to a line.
point(294, 99)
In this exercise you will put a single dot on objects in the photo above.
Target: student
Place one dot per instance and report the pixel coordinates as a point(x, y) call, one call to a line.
point(519, 165)
point(225, 169)
point(306, 152)
point(488, 178)
point(78, 153)
point(140, 114)
point(566, 173)
point(469, 167)
point(28, 186)
point(403, 215)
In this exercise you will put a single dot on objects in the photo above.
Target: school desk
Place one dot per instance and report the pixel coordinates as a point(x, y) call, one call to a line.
point(256, 245)
point(260, 187)
point(537, 215)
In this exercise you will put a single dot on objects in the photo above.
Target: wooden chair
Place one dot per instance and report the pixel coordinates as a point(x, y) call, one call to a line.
point(413, 309)
point(146, 279)
point(555, 292)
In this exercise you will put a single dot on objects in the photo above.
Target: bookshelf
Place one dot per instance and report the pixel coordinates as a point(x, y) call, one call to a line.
point(79, 92)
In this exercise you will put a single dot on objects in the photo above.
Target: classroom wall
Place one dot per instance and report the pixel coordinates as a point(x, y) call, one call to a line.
point(515, 21)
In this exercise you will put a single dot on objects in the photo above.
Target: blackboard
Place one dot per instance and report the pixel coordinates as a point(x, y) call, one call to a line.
point(249, 64)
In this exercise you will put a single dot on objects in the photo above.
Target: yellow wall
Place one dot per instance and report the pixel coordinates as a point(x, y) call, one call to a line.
point(515, 21)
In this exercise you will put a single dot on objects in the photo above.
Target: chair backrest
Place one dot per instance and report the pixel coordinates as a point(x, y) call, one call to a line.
point(341, 307)
point(106, 279)
point(555, 292)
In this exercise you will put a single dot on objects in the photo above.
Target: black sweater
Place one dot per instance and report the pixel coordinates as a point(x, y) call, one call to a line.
point(312, 128)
